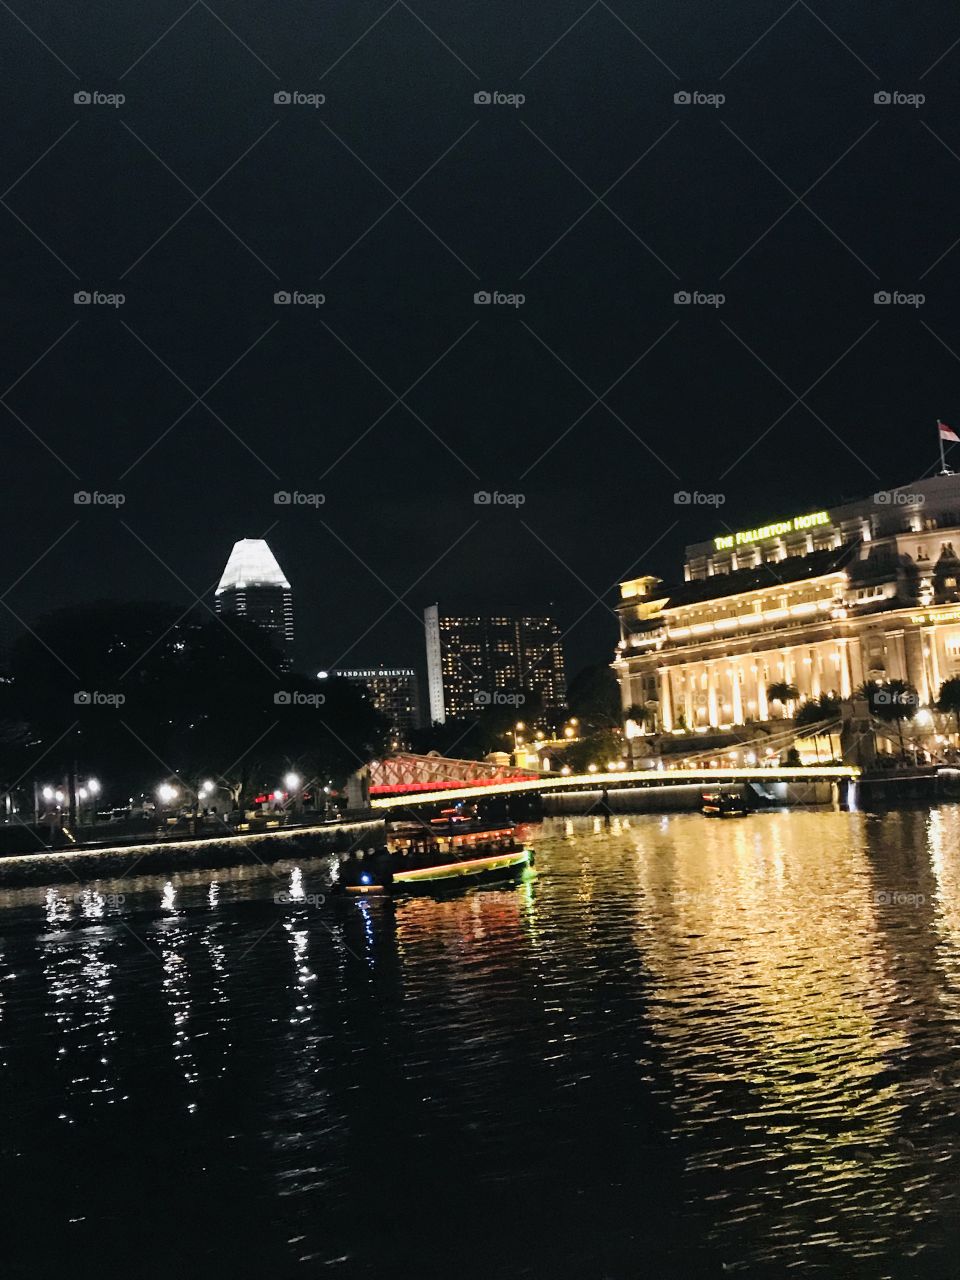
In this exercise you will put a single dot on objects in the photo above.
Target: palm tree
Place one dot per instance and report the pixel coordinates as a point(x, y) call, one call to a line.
point(783, 692)
point(948, 699)
point(816, 711)
point(893, 702)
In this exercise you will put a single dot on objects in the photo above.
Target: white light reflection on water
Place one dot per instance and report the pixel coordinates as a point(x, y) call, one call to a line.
point(746, 1034)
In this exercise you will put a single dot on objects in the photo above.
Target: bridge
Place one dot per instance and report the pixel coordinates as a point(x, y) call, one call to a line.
point(450, 781)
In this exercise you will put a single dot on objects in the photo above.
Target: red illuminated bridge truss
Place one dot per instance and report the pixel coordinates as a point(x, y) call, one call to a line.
point(403, 774)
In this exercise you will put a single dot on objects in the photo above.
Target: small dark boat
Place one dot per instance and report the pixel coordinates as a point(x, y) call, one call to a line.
point(723, 804)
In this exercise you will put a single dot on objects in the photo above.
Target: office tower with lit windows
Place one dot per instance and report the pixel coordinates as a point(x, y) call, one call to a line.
point(254, 587)
point(474, 662)
point(394, 692)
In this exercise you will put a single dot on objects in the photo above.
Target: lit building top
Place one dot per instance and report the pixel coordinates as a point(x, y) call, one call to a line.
point(251, 564)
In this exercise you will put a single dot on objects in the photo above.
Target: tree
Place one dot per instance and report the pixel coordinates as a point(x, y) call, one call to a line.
point(597, 748)
point(135, 693)
point(816, 711)
point(948, 700)
point(783, 692)
point(593, 696)
point(893, 702)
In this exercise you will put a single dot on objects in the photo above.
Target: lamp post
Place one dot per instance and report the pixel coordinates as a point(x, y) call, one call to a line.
point(166, 795)
point(293, 783)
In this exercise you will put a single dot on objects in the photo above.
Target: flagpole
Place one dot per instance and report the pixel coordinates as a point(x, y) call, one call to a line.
point(943, 461)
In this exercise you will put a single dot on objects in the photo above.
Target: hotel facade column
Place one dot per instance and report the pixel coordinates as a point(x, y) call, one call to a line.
point(737, 694)
point(666, 702)
point(915, 665)
point(763, 710)
point(933, 660)
point(816, 670)
point(713, 714)
point(843, 668)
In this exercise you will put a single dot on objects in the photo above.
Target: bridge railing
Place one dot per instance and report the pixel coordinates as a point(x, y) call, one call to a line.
point(619, 780)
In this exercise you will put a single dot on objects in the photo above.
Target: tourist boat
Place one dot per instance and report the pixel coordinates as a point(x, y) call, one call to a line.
point(723, 804)
point(454, 851)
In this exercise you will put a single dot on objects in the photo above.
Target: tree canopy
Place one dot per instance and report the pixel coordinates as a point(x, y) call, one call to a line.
point(134, 693)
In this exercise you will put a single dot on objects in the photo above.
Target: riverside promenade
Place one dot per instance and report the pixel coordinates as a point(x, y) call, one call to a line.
point(209, 853)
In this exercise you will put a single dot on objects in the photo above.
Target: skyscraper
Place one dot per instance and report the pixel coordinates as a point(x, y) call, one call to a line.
point(475, 662)
point(394, 693)
point(253, 586)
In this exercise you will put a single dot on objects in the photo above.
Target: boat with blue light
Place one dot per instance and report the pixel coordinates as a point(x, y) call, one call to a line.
point(451, 852)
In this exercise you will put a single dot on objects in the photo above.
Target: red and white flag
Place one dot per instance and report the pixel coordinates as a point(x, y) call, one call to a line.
point(948, 433)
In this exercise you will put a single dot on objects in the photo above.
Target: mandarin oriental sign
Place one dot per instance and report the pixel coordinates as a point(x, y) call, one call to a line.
point(795, 525)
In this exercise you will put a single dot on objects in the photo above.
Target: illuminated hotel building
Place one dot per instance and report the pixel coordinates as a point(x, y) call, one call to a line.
point(824, 601)
point(475, 662)
point(393, 691)
point(253, 586)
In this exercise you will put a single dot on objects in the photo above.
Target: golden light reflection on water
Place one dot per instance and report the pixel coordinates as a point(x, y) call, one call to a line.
point(778, 957)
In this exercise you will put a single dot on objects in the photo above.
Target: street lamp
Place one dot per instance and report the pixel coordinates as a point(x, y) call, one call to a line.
point(166, 794)
point(93, 786)
point(292, 781)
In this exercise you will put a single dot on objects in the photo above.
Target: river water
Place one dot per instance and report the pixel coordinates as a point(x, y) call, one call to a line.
point(684, 1048)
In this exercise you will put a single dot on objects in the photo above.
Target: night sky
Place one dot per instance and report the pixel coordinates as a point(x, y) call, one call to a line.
point(398, 199)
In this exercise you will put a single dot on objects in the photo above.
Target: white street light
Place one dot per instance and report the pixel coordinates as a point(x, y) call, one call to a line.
point(48, 793)
point(166, 793)
point(93, 786)
point(292, 781)
point(206, 787)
